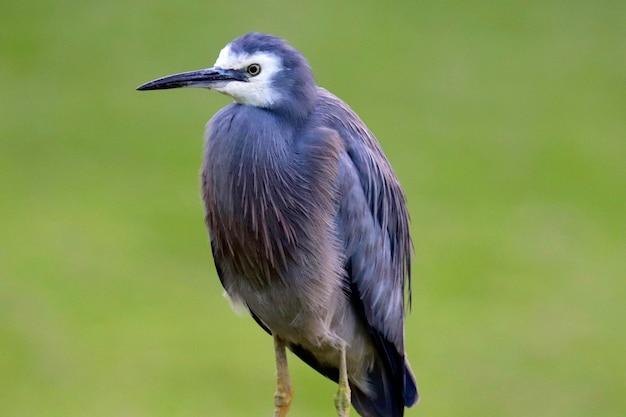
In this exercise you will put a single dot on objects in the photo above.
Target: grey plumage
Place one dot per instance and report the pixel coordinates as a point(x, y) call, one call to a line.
point(308, 223)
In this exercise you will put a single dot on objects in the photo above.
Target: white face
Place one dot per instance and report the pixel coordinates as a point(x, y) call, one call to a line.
point(258, 90)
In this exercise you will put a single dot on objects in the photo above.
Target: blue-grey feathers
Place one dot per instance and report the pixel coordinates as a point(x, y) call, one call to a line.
point(309, 229)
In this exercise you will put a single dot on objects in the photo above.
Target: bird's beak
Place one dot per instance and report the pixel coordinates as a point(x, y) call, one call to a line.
point(205, 78)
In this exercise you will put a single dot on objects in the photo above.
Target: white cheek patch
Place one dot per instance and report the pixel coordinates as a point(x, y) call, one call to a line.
point(257, 91)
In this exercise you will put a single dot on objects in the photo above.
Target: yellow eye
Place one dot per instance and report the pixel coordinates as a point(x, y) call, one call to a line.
point(254, 69)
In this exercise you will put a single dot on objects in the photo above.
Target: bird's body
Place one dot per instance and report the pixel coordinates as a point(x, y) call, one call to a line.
point(308, 223)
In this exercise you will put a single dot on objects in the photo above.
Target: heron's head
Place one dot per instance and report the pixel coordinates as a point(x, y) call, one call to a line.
point(255, 69)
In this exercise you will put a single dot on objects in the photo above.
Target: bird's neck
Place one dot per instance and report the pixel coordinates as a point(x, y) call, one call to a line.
point(250, 184)
point(269, 197)
point(296, 107)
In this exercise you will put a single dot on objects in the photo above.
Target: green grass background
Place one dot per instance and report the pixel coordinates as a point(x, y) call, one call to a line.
point(505, 121)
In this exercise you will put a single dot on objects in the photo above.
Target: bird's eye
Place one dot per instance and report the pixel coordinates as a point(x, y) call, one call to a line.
point(254, 69)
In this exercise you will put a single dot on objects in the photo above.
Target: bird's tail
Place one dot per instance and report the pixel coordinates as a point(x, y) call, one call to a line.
point(391, 385)
point(387, 395)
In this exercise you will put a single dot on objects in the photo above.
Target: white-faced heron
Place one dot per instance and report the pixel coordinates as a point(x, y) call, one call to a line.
point(308, 224)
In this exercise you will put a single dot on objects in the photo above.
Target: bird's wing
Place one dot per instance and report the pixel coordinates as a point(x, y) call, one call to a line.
point(374, 227)
point(375, 224)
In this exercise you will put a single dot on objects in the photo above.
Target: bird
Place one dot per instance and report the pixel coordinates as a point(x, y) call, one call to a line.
point(308, 224)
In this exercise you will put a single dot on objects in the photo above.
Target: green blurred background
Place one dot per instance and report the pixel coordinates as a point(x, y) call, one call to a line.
point(505, 121)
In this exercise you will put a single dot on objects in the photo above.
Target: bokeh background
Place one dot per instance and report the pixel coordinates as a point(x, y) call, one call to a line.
point(505, 121)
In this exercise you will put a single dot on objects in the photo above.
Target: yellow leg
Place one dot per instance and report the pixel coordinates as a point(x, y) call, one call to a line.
point(284, 392)
point(342, 398)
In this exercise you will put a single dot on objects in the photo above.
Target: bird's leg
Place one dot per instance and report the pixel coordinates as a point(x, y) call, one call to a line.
point(342, 398)
point(284, 392)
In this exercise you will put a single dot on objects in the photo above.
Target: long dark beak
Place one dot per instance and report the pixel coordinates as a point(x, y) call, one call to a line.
point(207, 78)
